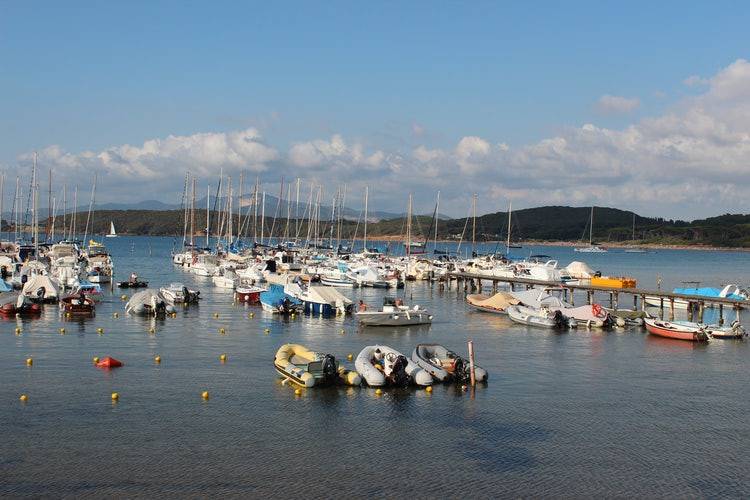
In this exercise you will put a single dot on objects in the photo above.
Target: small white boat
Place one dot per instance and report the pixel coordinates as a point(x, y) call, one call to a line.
point(381, 365)
point(148, 303)
point(733, 331)
point(541, 317)
point(177, 293)
point(394, 313)
point(226, 279)
point(340, 281)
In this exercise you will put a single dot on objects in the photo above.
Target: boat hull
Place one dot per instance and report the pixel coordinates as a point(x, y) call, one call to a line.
point(673, 331)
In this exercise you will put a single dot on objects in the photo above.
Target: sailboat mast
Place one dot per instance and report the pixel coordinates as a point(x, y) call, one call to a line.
point(408, 228)
point(591, 227)
point(633, 237)
point(49, 209)
point(262, 217)
point(474, 226)
point(75, 214)
point(507, 241)
point(239, 205)
point(208, 216)
point(437, 218)
point(2, 193)
point(192, 217)
point(367, 192)
point(34, 193)
point(296, 213)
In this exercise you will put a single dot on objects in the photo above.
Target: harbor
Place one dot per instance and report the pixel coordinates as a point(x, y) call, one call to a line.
point(544, 387)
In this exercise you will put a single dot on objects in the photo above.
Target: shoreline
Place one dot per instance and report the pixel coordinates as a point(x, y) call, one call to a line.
point(544, 243)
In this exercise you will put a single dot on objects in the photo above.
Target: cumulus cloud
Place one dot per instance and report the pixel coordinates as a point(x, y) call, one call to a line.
point(611, 104)
point(692, 160)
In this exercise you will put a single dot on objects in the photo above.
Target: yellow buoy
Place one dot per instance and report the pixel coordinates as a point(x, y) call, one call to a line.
point(428, 388)
point(151, 330)
point(378, 392)
point(222, 331)
point(216, 315)
point(116, 315)
point(292, 315)
point(62, 331)
point(205, 395)
point(297, 392)
point(29, 361)
point(223, 358)
point(100, 330)
point(95, 359)
point(123, 297)
point(157, 359)
point(18, 330)
point(349, 356)
point(67, 315)
point(23, 398)
point(251, 315)
point(115, 396)
point(342, 331)
point(267, 331)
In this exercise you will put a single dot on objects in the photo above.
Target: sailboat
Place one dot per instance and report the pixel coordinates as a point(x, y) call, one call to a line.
point(112, 233)
point(634, 249)
point(591, 248)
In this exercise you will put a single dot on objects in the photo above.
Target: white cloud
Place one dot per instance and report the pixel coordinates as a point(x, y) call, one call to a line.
point(695, 81)
point(610, 104)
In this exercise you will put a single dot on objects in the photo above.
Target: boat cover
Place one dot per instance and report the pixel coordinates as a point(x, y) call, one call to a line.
point(499, 301)
point(35, 284)
point(326, 295)
point(580, 270)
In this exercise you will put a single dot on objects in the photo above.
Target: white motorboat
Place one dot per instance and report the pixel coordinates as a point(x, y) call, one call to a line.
point(542, 317)
point(394, 313)
point(177, 293)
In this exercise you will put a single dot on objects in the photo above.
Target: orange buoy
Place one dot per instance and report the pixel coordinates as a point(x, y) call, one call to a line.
point(109, 362)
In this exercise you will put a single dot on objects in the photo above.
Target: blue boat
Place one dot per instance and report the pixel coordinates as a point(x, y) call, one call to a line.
point(276, 300)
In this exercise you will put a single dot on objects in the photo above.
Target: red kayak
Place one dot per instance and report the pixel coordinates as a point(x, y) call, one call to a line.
point(675, 331)
point(109, 363)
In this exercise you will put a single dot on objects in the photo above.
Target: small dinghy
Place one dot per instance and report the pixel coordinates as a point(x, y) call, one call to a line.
point(177, 293)
point(733, 331)
point(132, 284)
point(78, 304)
point(682, 330)
point(148, 303)
point(394, 313)
point(381, 365)
point(541, 317)
point(14, 303)
point(445, 365)
point(307, 368)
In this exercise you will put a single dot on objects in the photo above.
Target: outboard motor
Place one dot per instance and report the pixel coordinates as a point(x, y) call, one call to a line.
point(398, 376)
point(330, 371)
point(461, 372)
point(560, 320)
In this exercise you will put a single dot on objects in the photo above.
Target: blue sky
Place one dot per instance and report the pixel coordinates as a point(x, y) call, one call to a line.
point(387, 76)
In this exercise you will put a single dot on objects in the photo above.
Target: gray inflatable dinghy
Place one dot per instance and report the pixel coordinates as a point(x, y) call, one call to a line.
point(445, 365)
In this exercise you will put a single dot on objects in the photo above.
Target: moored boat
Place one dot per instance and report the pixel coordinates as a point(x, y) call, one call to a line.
point(394, 313)
point(677, 330)
point(77, 305)
point(382, 365)
point(445, 365)
point(307, 368)
point(541, 317)
point(496, 304)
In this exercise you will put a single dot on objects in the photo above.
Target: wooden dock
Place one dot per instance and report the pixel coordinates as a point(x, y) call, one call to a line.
point(696, 303)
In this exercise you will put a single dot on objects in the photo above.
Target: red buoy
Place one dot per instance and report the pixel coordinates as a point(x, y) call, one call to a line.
point(108, 362)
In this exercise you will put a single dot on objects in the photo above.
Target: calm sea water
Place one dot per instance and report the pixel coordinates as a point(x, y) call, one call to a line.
point(585, 413)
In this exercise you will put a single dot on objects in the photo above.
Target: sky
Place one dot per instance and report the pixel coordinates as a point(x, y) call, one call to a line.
point(642, 106)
